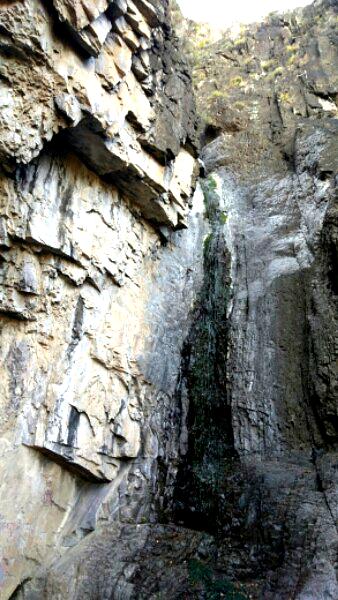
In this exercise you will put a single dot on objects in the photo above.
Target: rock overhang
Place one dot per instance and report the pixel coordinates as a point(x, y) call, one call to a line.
point(113, 84)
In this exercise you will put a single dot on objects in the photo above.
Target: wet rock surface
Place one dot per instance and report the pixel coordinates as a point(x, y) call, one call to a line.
point(169, 395)
point(257, 483)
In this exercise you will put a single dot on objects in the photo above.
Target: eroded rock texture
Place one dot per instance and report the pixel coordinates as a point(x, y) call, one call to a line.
point(168, 394)
point(97, 136)
point(108, 75)
point(261, 362)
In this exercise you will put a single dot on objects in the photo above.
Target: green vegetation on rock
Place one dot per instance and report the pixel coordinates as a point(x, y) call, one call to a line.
point(211, 452)
point(202, 576)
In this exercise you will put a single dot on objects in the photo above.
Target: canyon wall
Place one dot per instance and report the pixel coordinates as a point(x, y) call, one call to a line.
point(261, 362)
point(99, 272)
point(168, 351)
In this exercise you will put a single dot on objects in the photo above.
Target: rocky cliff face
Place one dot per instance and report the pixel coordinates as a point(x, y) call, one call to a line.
point(98, 147)
point(261, 368)
point(168, 359)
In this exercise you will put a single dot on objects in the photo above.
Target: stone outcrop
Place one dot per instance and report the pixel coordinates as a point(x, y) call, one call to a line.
point(168, 364)
point(98, 153)
point(107, 75)
point(260, 366)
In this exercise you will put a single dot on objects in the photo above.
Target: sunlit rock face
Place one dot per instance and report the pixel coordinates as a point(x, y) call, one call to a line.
point(98, 153)
point(168, 414)
point(108, 75)
point(260, 363)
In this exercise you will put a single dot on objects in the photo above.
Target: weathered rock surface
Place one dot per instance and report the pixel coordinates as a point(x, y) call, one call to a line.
point(98, 146)
point(108, 92)
point(260, 366)
point(168, 423)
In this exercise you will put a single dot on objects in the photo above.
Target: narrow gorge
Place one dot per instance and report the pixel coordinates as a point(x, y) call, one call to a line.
point(168, 303)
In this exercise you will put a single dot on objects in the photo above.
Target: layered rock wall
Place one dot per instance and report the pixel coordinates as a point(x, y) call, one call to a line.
point(98, 147)
point(168, 415)
point(259, 473)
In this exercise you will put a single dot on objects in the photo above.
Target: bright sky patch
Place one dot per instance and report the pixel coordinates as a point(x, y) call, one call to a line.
point(224, 13)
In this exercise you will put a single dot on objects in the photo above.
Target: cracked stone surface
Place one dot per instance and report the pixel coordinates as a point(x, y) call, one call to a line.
point(262, 418)
point(168, 373)
point(109, 78)
point(98, 145)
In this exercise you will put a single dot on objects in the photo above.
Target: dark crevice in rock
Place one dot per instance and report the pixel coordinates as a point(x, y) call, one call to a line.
point(77, 329)
point(19, 590)
point(210, 454)
point(73, 423)
point(66, 33)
